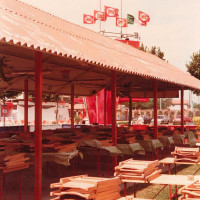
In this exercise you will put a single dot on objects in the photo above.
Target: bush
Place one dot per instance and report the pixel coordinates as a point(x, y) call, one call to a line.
point(196, 120)
point(122, 122)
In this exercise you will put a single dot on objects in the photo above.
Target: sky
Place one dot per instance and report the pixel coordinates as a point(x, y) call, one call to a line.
point(174, 25)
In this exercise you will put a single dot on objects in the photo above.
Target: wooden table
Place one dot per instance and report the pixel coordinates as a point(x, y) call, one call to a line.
point(164, 179)
point(4, 170)
point(170, 160)
point(132, 198)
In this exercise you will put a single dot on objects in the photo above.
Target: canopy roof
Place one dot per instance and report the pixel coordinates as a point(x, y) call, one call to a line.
point(73, 54)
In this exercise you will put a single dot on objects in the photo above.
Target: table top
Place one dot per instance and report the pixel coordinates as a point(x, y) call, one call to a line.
point(150, 145)
point(165, 179)
point(170, 160)
point(131, 198)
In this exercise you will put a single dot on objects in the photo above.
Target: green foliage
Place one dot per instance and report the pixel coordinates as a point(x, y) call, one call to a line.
point(196, 105)
point(9, 95)
point(4, 67)
point(47, 97)
point(122, 122)
point(142, 105)
point(154, 50)
point(160, 54)
point(196, 120)
point(77, 119)
point(193, 67)
point(4, 70)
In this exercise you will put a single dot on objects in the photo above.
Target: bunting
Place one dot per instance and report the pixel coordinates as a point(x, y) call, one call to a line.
point(111, 12)
point(88, 19)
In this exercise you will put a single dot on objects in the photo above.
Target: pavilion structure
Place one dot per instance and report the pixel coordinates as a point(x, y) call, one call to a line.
point(47, 54)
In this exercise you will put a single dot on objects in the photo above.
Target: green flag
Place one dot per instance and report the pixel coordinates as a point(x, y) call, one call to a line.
point(130, 19)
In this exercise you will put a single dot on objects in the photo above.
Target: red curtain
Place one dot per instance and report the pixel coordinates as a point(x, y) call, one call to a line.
point(91, 108)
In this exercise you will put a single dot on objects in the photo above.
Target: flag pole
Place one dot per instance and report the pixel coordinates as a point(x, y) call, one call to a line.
point(121, 17)
point(100, 20)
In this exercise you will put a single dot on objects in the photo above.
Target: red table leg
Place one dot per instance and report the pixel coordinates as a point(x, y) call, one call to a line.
point(73, 165)
point(59, 172)
point(176, 188)
point(20, 186)
point(108, 164)
point(169, 185)
point(125, 189)
point(134, 190)
point(98, 168)
point(1, 184)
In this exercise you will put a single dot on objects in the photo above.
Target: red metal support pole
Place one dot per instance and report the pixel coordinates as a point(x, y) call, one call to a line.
point(182, 111)
point(72, 106)
point(155, 109)
point(1, 184)
point(26, 105)
point(20, 186)
point(105, 106)
point(4, 114)
point(130, 112)
point(170, 194)
point(38, 127)
point(114, 125)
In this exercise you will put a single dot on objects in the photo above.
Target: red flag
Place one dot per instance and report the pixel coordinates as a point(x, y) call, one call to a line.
point(121, 22)
point(143, 17)
point(88, 19)
point(98, 15)
point(111, 12)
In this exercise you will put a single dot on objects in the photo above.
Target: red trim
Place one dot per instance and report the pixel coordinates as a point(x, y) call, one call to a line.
point(38, 126)
point(182, 111)
point(72, 106)
point(26, 105)
point(155, 109)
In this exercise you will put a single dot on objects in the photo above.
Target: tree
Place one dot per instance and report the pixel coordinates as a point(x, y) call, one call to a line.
point(193, 67)
point(196, 105)
point(160, 54)
point(154, 50)
point(149, 105)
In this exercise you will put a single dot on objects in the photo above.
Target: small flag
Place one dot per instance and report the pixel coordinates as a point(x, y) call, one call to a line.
point(88, 19)
point(98, 15)
point(111, 12)
point(143, 17)
point(121, 22)
point(130, 19)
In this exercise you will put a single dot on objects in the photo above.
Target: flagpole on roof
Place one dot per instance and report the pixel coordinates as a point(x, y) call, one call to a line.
point(100, 20)
point(121, 17)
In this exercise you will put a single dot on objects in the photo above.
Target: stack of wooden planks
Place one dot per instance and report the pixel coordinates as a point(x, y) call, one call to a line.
point(26, 147)
point(85, 187)
point(190, 192)
point(66, 148)
point(139, 170)
point(131, 139)
point(186, 154)
point(13, 162)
